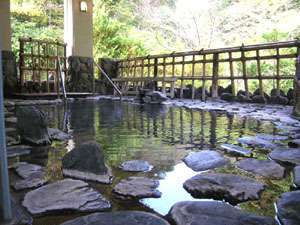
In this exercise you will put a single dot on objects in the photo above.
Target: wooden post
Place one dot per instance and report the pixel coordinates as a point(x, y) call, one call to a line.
point(182, 76)
point(21, 64)
point(164, 76)
point(173, 76)
point(296, 111)
point(277, 73)
point(244, 71)
point(193, 76)
point(142, 72)
point(204, 77)
point(261, 91)
point(215, 75)
point(231, 73)
point(155, 73)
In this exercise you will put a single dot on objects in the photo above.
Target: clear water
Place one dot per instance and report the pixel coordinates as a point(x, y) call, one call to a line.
point(159, 134)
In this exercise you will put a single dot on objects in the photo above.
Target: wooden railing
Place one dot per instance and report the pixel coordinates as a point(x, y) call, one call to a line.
point(210, 68)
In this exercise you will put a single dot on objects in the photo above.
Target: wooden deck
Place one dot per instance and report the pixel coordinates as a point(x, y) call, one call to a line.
point(51, 95)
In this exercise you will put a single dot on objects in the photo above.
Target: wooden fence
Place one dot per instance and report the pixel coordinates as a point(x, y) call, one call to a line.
point(38, 65)
point(210, 68)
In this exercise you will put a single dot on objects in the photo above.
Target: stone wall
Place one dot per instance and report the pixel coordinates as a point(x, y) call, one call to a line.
point(80, 74)
point(110, 66)
point(10, 78)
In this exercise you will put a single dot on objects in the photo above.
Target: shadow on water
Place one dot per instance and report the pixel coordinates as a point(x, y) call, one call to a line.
point(161, 135)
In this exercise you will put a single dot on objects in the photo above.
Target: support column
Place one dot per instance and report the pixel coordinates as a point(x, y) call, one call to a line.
point(8, 58)
point(296, 111)
point(78, 34)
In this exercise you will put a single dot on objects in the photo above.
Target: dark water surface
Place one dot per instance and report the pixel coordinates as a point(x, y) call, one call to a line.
point(159, 134)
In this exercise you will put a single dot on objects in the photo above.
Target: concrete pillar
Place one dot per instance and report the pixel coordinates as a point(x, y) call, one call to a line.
point(5, 31)
point(78, 28)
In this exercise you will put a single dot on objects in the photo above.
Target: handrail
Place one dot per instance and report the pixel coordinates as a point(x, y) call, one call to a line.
point(108, 78)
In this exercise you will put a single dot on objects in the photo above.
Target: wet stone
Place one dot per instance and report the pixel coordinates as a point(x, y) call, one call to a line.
point(136, 166)
point(58, 135)
point(213, 213)
point(32, 175)
point(294, 143)
point(236, 150)
point(270, 137)
point(18, 150)
point(297, 176)
point(288, 208)
point(65, 195)
point(205, 160)
point(219, 186)
point(19, 215)
point(137, 187)
point(257, 142)
point(286, 156)
point(265, 168)
point(119, 218)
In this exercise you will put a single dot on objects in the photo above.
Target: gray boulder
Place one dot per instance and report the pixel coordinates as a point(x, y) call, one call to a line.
point(297, 176)
point(86, 162)
point(227, 97)
point(257, 142)
point(137, 187)
point(286, 156)
point(288, 208)
point(294, 143)
point(32, 126)
point(220, 186)
point(205, 160)
point(65, 195)
point(265, 168)
point(18, 150)
point(213, 213)
point(136, 166)
point(58, 135)
point(152, 97)
point(118, 218)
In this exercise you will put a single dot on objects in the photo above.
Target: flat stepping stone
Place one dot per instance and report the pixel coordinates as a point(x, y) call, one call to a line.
point(136, 166)
point(288, 208)
point(294, 143)
point(220, 186)
point(265, 168)
point(32, 175)
point(235, 150)
point(270, 137)
point(87, 176)
point(119, 218)
point(11, 120)
point(137, 187)
point(297, 176)
point(213, 213)
point(11, 141)
point(257, 142)
point(18, 150)
point(205, 160)
point(286, 156)
point(65, 195)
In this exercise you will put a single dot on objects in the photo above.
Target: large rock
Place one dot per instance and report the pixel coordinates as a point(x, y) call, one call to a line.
point(265, 168)
point(213, 213)
point(297, 176)
point(228, 97)
point(205, 160)
point(65, 195)
point(118, 218)
point(271, 137)
point(219, 186)
point(257, 142)
point(86, 162)
point(288, 208)
point(137, 187)
point(294, 143)
point(236, 150)
point(32, 175)
point(32, 126)
point(286, 156)
point(152, 97)
point(136, 166)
